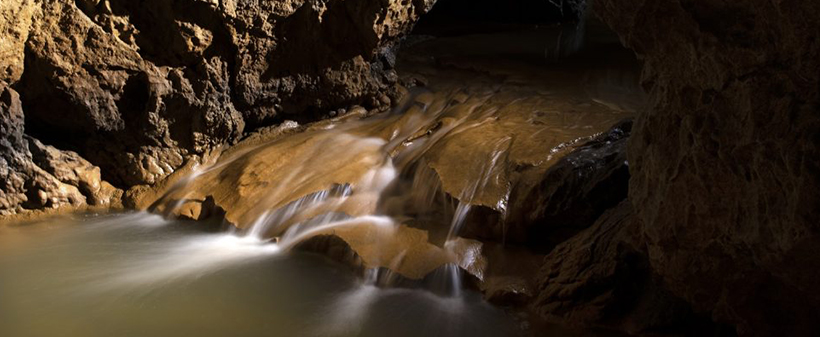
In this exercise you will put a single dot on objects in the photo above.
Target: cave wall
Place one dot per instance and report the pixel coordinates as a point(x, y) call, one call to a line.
point(139, 86)
point(508, 11)
point(136, 86)
point(725, 165)
point(37, 176)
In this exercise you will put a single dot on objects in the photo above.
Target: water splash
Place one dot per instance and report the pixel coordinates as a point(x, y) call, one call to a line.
point(347, 314)
point(283, 215)
point(447, 281)
point(301, 232)
point(191, 257)
point(489, 171)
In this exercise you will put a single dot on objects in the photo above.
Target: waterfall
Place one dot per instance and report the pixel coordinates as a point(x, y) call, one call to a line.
point(364, 180)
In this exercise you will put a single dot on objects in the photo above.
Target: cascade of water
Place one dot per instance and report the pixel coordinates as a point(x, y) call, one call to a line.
point(300, 232)
point(460, 215)
point(446, 281)
point(178, 186)
point(307, 200)
point(283, 215)
point(195, 256)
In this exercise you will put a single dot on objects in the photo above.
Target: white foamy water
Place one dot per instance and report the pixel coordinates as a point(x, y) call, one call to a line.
point(193, 256)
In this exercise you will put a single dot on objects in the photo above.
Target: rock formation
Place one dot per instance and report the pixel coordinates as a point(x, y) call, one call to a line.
point(602, 276)
point(572, 194)
point(36, 176)
point(138, 87)
point(598, 275)
point(725, 165)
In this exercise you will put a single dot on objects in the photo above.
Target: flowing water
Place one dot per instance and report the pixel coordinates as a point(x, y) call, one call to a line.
point(396, 189)
point(140, 275)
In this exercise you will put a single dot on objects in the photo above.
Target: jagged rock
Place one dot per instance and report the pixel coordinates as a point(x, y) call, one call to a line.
point(138, 86)
point(12, 149)
point(548, 207)
point(573, 193)
point(602, 276)
point(725, 167)
point(71, 169)
point(36, 176)
point(15, 22)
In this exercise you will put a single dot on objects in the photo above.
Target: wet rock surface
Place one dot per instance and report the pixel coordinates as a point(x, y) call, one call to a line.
point(571, 194)
point(725, 164)
point(392, 190)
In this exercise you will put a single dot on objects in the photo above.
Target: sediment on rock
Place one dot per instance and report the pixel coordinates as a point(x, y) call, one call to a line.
point(554, 222)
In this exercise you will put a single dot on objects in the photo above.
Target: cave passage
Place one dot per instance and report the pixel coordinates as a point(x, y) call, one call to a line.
point(409, 168)
point(506, 137)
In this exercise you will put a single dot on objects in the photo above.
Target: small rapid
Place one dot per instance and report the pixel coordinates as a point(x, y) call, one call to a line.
point(352, 178)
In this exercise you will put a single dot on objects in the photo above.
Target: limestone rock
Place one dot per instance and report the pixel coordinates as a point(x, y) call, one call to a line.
point(71, 169)
point(602, 276)
point(725, 166)
point(36, 176)
point(135, 87)
point(15, 22)
point(573, 193)
point(12, 150)
point(547, 207)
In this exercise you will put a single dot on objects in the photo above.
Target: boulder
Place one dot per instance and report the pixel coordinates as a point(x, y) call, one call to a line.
point(573, 193)
point(13, 152)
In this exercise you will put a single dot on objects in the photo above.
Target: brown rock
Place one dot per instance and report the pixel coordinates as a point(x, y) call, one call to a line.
point(135, 87)
point(509, 278)
point(35, 175)
point(572, 194)
point(15, 22)
point(725, 166)
point(13, 152)
point(69, 168)
point(602, 276)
